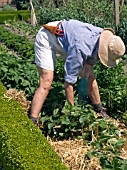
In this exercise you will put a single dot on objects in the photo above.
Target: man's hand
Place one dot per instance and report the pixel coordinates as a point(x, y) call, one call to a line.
point(101, 110)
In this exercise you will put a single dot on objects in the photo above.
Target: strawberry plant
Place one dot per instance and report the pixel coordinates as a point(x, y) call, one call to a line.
point(17, 73)
point(23, 28)
point(14, 42)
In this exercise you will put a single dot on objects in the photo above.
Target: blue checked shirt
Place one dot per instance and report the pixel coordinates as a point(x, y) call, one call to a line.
point(80, 41)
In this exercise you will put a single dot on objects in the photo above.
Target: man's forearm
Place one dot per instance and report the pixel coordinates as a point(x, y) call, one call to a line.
point(69, 92)
point(93, 91)
point(92, 87)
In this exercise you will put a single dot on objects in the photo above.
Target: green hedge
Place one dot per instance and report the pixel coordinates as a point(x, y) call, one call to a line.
point(22, 145)
point(14, 15)
point(15, 12)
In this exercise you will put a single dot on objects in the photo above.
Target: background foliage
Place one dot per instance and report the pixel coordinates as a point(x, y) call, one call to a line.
point(99, 13)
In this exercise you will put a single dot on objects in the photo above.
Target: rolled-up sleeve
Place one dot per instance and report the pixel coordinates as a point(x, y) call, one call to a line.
point(73, 65)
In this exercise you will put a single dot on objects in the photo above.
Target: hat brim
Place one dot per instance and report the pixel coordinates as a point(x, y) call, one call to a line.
point(103, 51)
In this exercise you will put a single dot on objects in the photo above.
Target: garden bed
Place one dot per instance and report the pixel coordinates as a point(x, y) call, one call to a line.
point(72, 151)
point(81, 137)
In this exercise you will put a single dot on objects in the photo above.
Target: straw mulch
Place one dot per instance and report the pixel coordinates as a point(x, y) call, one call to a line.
point(20, 97)
point(72, 153)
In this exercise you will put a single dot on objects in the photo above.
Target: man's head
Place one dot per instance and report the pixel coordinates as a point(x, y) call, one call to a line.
point(111, 48)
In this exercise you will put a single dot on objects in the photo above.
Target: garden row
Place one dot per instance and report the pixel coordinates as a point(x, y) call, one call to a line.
point(23, 28)
point(26, 49)
point(59, 118)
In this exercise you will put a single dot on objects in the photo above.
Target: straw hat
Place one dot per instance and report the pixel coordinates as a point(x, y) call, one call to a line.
point(111, 48)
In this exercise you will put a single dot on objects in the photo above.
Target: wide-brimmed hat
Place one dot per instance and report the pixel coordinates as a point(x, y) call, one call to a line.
point(111, 48)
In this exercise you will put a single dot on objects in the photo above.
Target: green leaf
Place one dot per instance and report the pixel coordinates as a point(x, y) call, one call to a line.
point(61, 134)
point(82, 118)
point(25, 82)
point(50, 125)
point(66, 129)
point(4, 69)
point(103, 140)
point(44, 119)
point(56, 112)
point(102, 124)
point(65, 120)
point(67, 107)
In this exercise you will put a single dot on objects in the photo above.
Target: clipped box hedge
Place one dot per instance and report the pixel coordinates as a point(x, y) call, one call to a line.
point(14, 12)
point(5, 17)
point(22, 145)
point(14, 15)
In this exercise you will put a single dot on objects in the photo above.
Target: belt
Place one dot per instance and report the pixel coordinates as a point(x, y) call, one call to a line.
point(54, 29)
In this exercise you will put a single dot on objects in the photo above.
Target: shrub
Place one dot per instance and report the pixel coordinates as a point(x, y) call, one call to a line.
point(13, 15)
point(22, 145)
